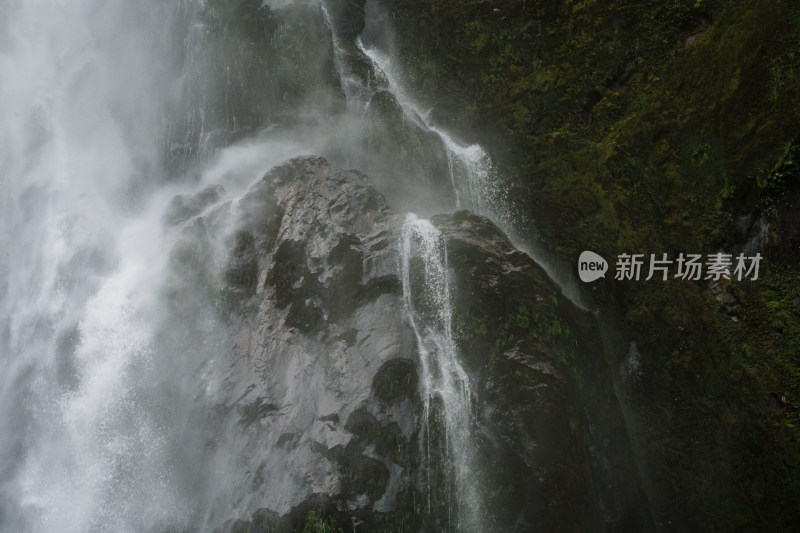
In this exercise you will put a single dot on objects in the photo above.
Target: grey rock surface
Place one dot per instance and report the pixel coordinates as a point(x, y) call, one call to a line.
point(319, 399)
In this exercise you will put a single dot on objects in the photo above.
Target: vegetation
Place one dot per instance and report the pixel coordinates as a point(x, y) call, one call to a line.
point(654, 127)
point(315, 524)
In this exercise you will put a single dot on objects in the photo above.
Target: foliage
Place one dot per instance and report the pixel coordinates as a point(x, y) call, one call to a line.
point(315, 524)
point(653, 127)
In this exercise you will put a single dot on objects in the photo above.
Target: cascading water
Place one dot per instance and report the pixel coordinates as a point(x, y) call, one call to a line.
point(356, 91)
point(110, 384)
point(445, 386)
point(103, 410)
point(473, 175)
point(105, 383)
point(78, 451)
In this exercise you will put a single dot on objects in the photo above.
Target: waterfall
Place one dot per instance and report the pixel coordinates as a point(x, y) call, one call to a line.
point(79, 451)
point(109, 387)
point(474, 176)
point(356, 92)
point(476, 184)
point(444, 384)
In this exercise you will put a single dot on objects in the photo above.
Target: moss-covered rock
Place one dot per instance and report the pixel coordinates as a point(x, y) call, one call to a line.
point(395, 380)
point(653, 127)
point(549, 404)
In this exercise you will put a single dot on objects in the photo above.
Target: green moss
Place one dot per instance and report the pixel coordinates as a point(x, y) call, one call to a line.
point(315, 524)
point(651, 127)
point(395, 380)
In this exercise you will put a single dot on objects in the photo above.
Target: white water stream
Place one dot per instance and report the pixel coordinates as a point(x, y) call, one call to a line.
point(98, 414)
point(425, 283)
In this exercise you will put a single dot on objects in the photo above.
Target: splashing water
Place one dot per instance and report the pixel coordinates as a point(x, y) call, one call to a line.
point(474, 177)
point(472, 172)
point(102, 419)
point(444, 383)
point(356, 92)
point(72, 291)
point(95, 433)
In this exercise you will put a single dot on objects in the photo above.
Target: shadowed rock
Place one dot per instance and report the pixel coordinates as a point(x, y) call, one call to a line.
point(322, 391)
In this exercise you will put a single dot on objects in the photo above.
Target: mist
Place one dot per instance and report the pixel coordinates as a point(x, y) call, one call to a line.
point(131, 135)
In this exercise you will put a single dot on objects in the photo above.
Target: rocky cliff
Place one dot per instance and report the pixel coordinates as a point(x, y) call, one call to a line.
point(655, 127)
point(324, 405)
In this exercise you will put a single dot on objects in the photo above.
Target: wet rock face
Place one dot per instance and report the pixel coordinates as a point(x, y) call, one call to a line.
point(516, 337)
point(183, 207)
point(348, 17)
point(313, 337)
point(247, 67)
point(321, 396)
point(550, 422)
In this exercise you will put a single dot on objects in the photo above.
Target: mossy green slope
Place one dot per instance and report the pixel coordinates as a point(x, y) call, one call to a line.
point(653, 127)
